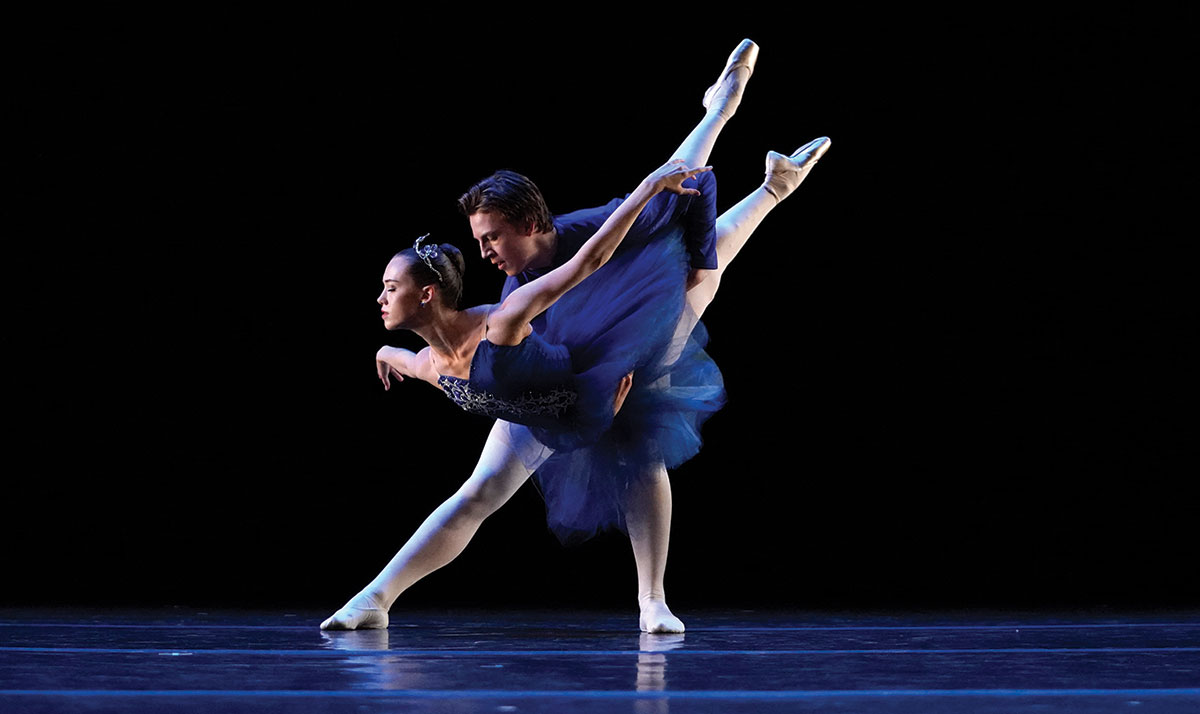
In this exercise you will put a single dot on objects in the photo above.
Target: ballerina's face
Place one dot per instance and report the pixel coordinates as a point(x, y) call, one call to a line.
point(500, 242)
point(401, 297)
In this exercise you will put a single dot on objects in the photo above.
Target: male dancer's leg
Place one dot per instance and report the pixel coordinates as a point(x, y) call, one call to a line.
point(648, 511)
point(510, 455)
point(648, 508)
point(648, 520)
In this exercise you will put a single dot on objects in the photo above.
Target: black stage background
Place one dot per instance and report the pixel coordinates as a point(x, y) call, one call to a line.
point(955, 359)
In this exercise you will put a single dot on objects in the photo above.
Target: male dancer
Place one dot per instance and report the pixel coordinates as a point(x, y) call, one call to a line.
point(524, 243)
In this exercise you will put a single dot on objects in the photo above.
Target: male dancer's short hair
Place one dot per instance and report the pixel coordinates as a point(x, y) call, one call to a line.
point(511, 195)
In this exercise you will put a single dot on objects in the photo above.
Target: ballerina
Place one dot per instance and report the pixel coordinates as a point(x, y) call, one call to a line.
point(526, 250)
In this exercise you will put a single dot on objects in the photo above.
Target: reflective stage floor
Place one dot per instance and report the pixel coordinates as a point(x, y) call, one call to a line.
point(183, 661)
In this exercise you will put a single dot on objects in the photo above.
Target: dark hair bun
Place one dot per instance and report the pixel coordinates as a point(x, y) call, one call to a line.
point(455, 258)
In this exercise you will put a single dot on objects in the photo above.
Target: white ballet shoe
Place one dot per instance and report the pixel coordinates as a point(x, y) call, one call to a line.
point(361, 613)
point(785, 173)
point(726, 94)
point(657, 619)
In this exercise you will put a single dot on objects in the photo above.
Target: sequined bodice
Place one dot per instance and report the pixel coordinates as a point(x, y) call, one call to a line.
point(531, 383)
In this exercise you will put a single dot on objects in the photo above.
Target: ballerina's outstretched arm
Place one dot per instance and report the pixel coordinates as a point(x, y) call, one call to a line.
point(509, 323)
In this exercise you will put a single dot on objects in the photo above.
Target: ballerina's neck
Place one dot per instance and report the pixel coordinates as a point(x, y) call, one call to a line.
point(453, 339)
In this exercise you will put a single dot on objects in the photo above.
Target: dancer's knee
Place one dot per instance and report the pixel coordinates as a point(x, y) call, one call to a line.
point(650, 481)
point(488, 489)
point(474, 502)
point(509, 457)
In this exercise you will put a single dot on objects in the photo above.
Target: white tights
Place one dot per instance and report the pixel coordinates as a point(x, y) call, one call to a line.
point(509, 456)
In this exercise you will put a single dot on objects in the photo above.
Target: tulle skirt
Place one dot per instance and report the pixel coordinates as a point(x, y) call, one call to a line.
point(629, 316)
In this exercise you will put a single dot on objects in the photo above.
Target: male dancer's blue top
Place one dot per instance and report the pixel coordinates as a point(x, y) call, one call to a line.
point(695, 214)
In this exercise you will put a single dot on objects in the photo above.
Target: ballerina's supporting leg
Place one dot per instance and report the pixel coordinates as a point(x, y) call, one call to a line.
point(784, 175)
point(648, 520)
point(510, 455)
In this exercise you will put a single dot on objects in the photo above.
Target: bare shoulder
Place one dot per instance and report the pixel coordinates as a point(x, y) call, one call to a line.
point(422, 366)
point(507, 324)
point(482, 311)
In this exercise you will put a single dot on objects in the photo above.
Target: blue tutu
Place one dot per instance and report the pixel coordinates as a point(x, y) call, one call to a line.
point(561, 381)
point(630, 319)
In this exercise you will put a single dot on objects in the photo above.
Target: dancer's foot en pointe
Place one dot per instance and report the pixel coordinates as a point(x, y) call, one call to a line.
point(725, 95)
point(734, 226)
point(363, 612)
point(657, 619)
point(785, 173)
point(720, 102)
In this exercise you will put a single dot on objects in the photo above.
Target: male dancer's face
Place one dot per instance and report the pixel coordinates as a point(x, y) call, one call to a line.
point(506, 246)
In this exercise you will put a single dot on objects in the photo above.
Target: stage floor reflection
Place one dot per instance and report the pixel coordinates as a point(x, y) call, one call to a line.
point(180, 661)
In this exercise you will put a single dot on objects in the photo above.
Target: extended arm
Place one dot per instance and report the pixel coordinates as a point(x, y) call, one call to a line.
point(509, 323)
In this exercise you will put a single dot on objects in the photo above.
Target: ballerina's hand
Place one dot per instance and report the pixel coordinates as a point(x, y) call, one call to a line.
point(671, 175)
point(385, 370)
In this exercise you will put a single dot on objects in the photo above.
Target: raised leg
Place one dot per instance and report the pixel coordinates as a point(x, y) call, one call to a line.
point(734, 227)
point(720, 103)
point(648, 519)
point(510, 455)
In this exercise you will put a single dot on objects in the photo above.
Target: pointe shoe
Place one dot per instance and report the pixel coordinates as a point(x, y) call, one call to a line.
point(727, 92)
point(785, 173)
